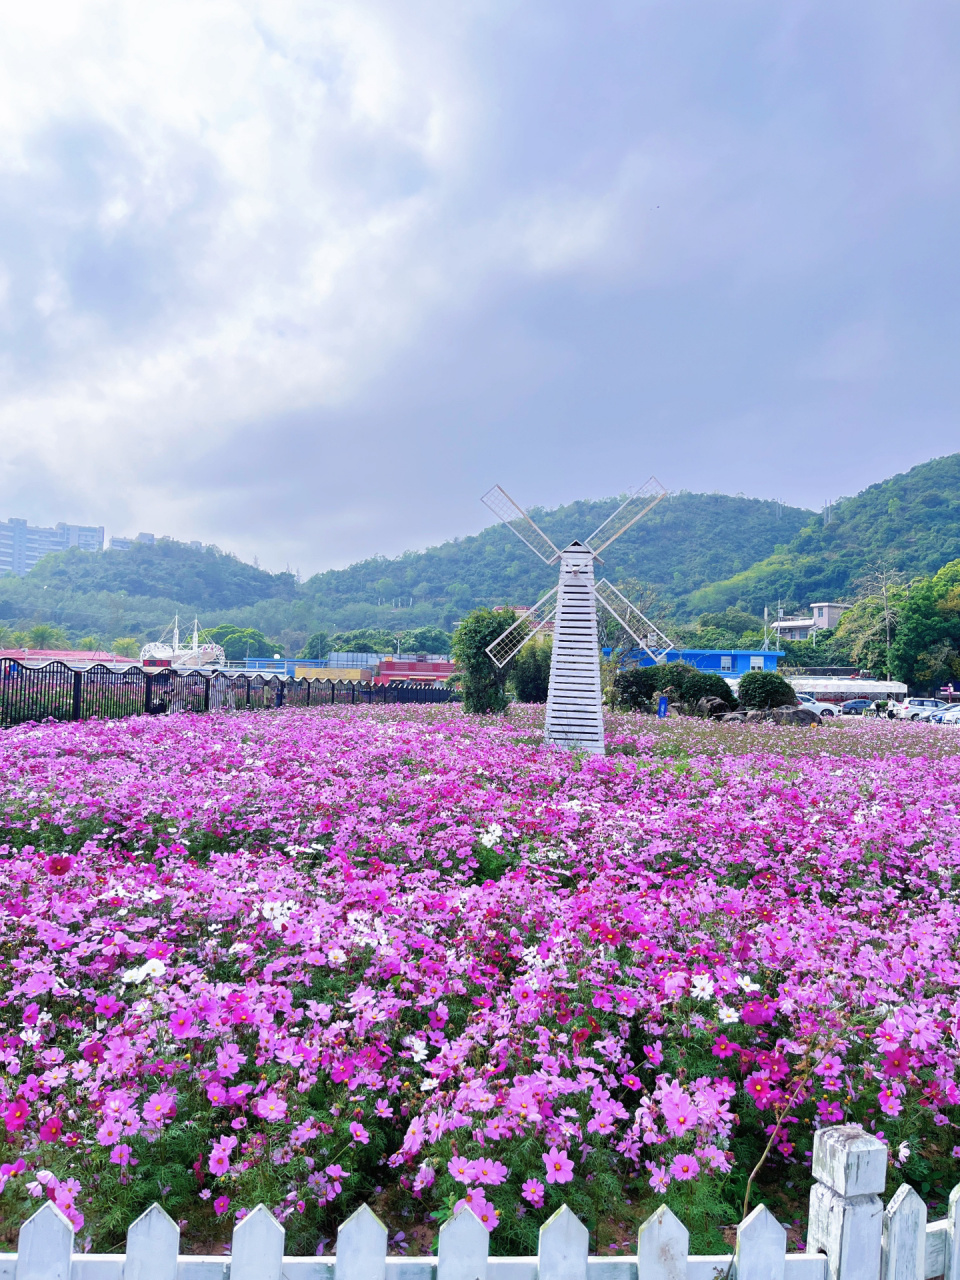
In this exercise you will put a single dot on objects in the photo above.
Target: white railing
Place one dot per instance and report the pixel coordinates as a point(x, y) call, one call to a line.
point(850, 1237)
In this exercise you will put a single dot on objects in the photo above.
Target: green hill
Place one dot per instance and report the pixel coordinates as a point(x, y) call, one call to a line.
point(688, 541)
point(910, 522)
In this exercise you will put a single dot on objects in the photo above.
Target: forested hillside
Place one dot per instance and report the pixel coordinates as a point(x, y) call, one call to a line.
point(689, 540)
point(910, 522)
point(694, 554)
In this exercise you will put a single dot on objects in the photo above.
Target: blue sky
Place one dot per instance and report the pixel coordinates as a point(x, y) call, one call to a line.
point(305, 279)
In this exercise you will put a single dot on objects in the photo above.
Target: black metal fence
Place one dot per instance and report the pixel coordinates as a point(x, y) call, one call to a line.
point(58, 691)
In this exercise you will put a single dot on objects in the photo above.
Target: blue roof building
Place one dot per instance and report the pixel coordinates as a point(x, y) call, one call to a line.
point(725, 662)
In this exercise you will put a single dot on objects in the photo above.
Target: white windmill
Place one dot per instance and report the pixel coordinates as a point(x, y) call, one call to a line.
point(574, 705)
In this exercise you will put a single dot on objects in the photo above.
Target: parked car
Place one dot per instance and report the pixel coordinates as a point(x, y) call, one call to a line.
point(919, 708)
point(855, 706)
point(948, 715)
point(821, 708)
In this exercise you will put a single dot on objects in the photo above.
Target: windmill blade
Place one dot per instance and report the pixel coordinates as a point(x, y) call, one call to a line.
point(505, 509)
point(632, 620)
point(627, 514)
point(509, 644)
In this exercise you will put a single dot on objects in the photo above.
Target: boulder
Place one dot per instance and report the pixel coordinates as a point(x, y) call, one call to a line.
point(793, 715)
point(733, 717)
point(711, 706)
point(755, 717)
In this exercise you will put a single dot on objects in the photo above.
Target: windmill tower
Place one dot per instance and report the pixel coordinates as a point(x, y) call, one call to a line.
point(574, 703)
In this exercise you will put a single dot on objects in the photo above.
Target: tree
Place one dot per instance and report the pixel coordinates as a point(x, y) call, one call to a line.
point(366, 640)
point(484, 684)
point(44, 636)
point(760, 690)
point(925, 647)
point(531, 670)
point(318, 646)
point(426, 640)
point(239, 643)
point(126, 647)
point(88, 644)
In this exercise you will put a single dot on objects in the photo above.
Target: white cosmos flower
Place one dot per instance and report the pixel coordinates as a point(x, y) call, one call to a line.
point(748, 984)
point(728, 1015)
point(702, 987)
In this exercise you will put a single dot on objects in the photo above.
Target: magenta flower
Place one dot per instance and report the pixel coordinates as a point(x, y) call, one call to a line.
point(533, 1191)
point(659, 1178)
point(683, 1168)
point(490, 1172)
point(559, 1166)
point(359, 1133)
point(757, 1086)
point(221, 1205)
point(120, 1154)
point(51, 1129)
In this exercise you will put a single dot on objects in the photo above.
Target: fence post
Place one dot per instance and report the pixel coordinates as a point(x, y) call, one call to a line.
point(564, 1246)
point(953, 1235)
point(761, 1247)
point(361, 1247)
point(846, 1213)
point(257, 1248)
point(77, 695)
point(904, 1236)
point(147, 692)
point(206, 692)
point(153, 1242)
point(463, 1248)
point(663, 1244)
point(44, 1245)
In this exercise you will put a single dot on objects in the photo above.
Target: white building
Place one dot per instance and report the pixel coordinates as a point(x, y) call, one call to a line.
point(22, 544)
point(824, 616)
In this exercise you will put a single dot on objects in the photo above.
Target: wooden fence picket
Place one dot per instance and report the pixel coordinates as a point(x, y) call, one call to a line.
point(257, 1249)
point(663, 1244)
point(45, 1245)
point(361, 1247)
point(904, 1236)
point(761, 1252)
point(952, 1262)
point(463, 1248)
point(153, 1246)
point(564, 1247)
point(846, 1212)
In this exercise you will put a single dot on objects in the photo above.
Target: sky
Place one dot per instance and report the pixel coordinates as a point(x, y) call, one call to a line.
point(305, 279)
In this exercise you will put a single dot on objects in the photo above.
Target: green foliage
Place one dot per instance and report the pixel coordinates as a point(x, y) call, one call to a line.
point(732, 621)
point(531, 671)
point(203, 578)
point(243, 642)
point(366, 640)
point(426, 640)
point(911, 522)
point(924, 652)
point(635, 688)
point(760, 690)
point(43, 636)
point(484, 684)
point(317, 647)
point(88, 644)
point(708, 684)
point(126, 647)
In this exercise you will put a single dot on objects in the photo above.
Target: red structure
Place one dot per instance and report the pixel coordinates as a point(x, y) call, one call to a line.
point(417, 671)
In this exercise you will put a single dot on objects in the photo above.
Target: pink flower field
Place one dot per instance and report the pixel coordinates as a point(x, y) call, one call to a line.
point(395, 955)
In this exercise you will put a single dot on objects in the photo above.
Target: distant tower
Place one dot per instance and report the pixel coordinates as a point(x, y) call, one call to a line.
point(574, 703)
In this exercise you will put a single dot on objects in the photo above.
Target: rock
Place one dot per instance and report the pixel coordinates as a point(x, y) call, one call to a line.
point(755, 717)
point(793, 715)
point(711, 706)
point(733, 717)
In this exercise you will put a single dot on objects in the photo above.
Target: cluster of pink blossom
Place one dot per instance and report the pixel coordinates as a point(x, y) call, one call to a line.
point(321, 956)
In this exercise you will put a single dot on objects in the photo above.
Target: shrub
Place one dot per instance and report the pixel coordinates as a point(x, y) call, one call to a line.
point(531, 671)
point(317, 647)
point(760, 690)
point(126, 647)
point(483, 683)
point(707, 684)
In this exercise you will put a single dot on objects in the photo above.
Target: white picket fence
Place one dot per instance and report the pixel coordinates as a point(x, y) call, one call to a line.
point(851, 1237)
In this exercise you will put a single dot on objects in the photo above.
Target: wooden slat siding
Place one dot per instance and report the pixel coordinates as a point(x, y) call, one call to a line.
point(574, 712)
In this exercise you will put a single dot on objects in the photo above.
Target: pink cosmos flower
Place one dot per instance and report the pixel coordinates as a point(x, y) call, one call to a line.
point(683, 1168)
point(659, 1178)
point(121, 1154)
point(757, 1086)
point(181, 1024)
point(221, 1205)
point(270, 1107)
point(359, 1133)
point(219, 1161)
point(559, 1166)
point(109, 1132)
point(533, 1191)
point(461, 1169)
point(490, 1172)
point(896, 1063)
point(723, 1048)
point(51, 1129)
point(16, 1115)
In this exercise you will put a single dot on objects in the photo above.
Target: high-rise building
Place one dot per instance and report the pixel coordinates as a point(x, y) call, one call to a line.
point(22, 544)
